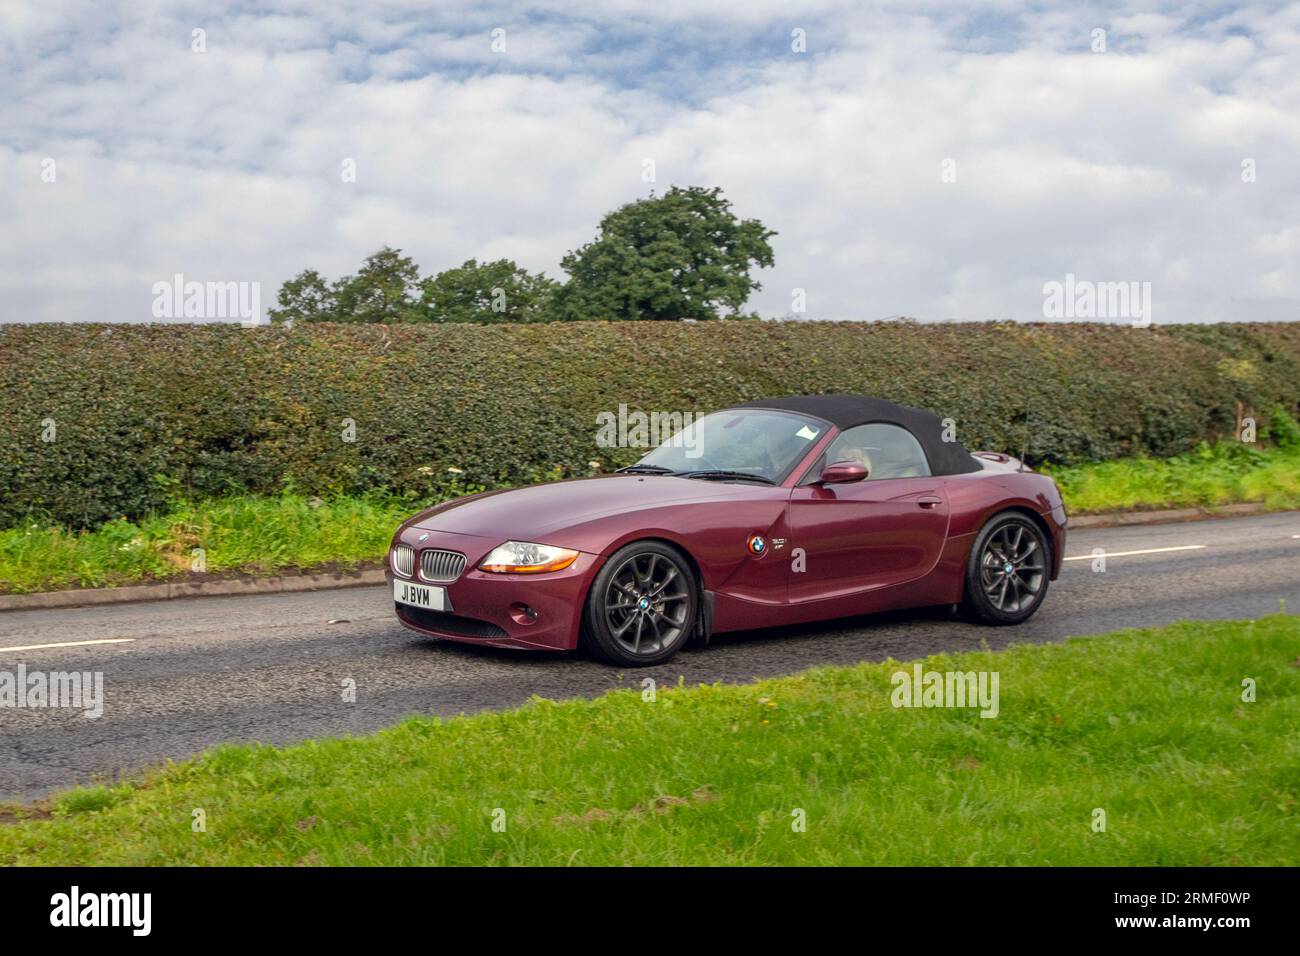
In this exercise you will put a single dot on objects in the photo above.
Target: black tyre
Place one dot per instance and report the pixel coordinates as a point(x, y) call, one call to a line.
point(642, 606)
point(1008, 570)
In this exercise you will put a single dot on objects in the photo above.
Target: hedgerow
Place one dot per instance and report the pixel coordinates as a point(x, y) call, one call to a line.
point(138, 415)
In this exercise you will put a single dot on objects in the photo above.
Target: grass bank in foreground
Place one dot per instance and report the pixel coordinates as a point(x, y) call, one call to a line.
point(268, 535)
point(1148, 726)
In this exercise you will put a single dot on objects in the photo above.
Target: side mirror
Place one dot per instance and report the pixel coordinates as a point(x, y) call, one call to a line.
point(838, 472)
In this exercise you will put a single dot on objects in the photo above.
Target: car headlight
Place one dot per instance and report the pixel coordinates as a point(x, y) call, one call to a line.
point(524, 557)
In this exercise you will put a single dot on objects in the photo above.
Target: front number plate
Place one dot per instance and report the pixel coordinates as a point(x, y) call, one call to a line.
point(420, 595)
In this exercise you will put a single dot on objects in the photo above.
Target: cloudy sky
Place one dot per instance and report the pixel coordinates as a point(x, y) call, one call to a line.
point(929, 159)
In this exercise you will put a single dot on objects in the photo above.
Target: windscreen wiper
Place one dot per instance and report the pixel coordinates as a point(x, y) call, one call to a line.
point(740, 475)
point(646, 470)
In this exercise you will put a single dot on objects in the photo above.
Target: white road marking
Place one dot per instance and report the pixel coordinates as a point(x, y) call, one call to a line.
point(1125, 554)
point(41, 647)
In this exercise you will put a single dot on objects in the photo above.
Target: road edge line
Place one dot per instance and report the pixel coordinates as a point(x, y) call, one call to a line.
point(1120, 519)
point(82, 597)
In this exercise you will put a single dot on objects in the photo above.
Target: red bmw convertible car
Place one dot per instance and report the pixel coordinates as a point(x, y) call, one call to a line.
point(774, 512)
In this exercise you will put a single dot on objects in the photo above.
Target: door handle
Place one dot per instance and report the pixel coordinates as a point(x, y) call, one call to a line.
point(929, 501)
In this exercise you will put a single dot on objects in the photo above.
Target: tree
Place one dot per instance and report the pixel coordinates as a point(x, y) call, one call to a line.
point(383, 290)
point(497, 291)
point(305, 298)
point(683, 255)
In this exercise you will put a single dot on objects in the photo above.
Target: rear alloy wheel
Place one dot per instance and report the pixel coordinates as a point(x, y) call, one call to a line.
point(642, 605)
point(1007, 574)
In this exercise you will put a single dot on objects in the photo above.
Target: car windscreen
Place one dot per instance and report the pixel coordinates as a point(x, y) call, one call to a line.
point(753, 441)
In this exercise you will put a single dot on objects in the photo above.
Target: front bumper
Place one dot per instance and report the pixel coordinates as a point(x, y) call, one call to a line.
point(486, 607)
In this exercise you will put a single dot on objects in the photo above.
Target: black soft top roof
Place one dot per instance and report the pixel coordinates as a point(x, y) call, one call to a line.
point(846, 411)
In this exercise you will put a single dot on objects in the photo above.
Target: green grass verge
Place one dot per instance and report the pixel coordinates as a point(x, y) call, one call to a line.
point(1147, 725)
point(267, 535)
point(247, 534)
point(1227, 473)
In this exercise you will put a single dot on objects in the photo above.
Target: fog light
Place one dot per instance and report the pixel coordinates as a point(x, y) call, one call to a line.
point(523, 614)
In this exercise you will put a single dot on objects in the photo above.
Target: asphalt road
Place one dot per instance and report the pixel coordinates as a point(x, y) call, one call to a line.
point(191, 673)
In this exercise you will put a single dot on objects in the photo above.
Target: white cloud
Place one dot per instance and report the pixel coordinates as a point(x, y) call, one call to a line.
point(225, 165)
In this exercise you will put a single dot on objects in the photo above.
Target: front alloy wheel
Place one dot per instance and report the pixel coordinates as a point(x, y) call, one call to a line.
point(642, 605)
